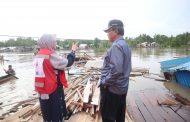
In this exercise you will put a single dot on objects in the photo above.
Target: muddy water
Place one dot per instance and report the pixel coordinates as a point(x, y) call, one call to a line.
point(150, 58)
point(22, 88)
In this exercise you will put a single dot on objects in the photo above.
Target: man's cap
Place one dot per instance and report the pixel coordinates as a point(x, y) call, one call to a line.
point(114, 23)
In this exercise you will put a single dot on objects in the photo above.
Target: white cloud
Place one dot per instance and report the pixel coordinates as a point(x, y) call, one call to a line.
point(87, 18)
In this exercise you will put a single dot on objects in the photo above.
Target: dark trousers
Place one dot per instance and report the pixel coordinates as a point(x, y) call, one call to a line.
point(54, 109)
point(112, 106)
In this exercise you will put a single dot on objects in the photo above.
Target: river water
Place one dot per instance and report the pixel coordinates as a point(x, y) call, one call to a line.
point(23, 88)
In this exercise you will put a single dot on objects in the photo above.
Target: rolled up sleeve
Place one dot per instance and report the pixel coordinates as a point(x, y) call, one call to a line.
point(58, 62)
point(116, 65)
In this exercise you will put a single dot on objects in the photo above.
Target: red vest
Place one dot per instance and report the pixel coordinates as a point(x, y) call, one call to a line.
point(45, 76)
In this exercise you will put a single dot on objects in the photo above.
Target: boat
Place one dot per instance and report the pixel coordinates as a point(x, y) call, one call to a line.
point(6, 78)
point(177, 70)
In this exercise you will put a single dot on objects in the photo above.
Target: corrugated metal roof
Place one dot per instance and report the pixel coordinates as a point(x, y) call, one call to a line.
point(183, 77)
point(185, 66)
point(166, 65)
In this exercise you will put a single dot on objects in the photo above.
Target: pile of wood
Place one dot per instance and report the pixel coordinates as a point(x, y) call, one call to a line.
point(28, 115)
point(24, 114)
point(83, 94)
point(17, 106)
point(80, 61)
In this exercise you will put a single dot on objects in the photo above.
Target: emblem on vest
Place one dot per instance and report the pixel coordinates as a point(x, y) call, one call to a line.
point(39, 72)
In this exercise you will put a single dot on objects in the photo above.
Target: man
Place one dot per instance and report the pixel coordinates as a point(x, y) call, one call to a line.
point(10, 70)
point(115, 75)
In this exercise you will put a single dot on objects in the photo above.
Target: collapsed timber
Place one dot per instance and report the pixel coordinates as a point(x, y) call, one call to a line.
point(82, 95)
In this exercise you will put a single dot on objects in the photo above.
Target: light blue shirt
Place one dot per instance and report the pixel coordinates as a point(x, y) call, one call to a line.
point(117, 67)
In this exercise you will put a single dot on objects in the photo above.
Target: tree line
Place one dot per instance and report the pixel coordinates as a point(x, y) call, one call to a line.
point(27, 42)
point(181, 40)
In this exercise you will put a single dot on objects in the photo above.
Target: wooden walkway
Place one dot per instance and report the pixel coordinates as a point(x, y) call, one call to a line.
point(156, 106)
point(144, 106)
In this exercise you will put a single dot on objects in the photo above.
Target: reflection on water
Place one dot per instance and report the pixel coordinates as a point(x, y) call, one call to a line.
point(150, 58)
point(22, 88)
point(157, 53)
point(176, 88)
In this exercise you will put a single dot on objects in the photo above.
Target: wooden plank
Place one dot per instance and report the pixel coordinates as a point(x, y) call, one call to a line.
point(96, 96)
point(175, 117)
point(15, 116)
point(92, 110)
point(133, 109)
point(76, 82)
point(87, 92)
point(79, 117)
point(36, 118)
point(31, 111)
point(69, 102)
point(127, 116)
point(152, 98)
point(152, 109)
point(183, 100)
point(143, 109)
point(80, 95)
point(165, 112)
point(70, 95)
point(97, 118)
point(166, 99)
point(184, 112)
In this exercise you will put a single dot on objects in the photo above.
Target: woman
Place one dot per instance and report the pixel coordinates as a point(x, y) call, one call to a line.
point(50, 78)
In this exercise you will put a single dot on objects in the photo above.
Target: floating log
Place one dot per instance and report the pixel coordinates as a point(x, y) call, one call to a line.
point(139, 69)
point(157, 79)
point(133, 74)
point(159, 75)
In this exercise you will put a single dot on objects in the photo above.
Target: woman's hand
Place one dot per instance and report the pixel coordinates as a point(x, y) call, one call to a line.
point(74, 47)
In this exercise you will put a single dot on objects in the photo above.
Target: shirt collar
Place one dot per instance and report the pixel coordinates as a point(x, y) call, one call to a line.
point(119, 38)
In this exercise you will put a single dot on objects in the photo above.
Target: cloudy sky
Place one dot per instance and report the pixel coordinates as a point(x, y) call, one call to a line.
point(85, 19)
